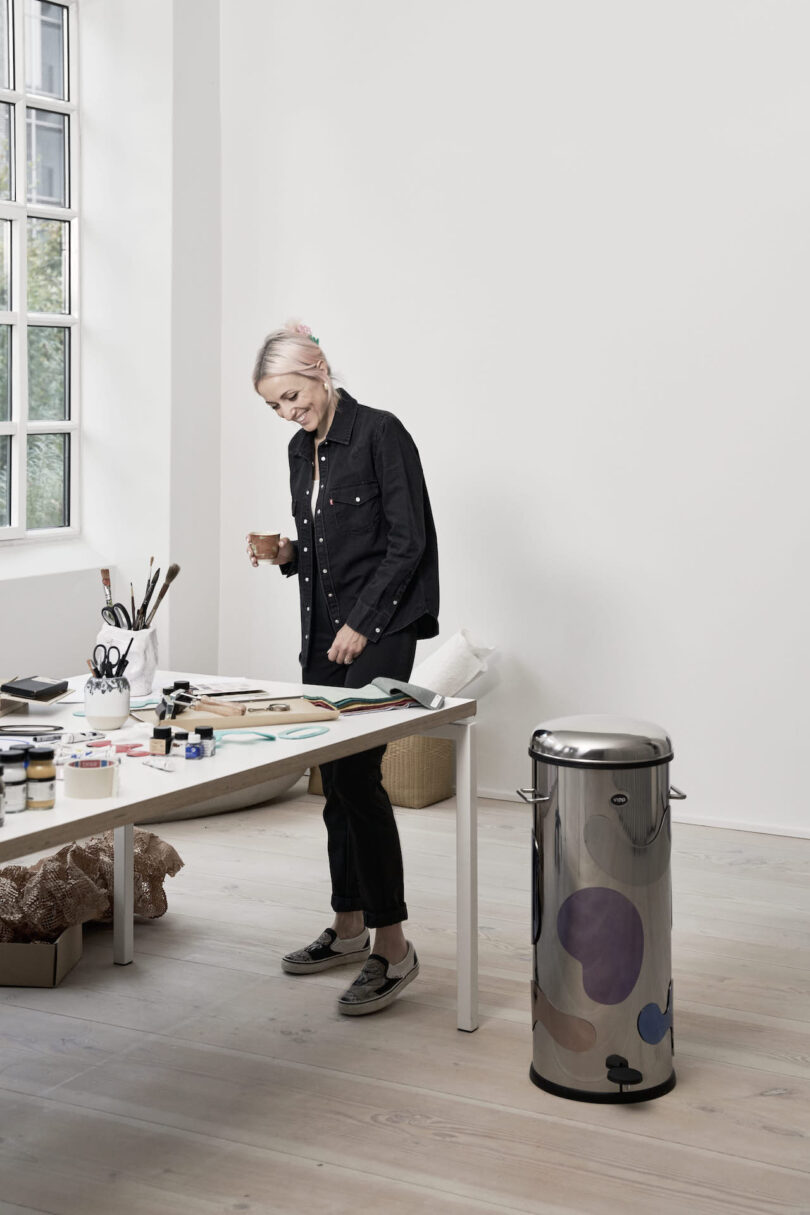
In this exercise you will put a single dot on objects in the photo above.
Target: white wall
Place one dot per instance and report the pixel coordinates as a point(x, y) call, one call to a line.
point(567, 244)
point(195, 348)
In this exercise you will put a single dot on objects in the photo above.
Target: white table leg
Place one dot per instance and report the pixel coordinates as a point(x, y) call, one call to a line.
point(466, 876)
point(123, 893)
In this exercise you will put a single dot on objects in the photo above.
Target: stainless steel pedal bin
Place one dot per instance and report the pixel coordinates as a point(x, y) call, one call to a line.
point(602, 1001)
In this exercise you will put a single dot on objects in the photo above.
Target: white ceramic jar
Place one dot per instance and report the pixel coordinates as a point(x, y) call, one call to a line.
point(106, 702)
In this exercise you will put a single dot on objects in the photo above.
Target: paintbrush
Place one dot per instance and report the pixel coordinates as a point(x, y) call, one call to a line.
point(105, 582)
point(146, 592)
point(132, 601)
point(171, 574)
point(150, 590)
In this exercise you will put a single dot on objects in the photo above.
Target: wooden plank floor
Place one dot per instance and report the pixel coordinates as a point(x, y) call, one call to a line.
point(203, 1080)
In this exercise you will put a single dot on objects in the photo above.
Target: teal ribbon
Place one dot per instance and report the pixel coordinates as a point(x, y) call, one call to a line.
point(294, 733)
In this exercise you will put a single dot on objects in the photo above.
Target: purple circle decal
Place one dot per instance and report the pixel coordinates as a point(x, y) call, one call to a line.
point(603, 931)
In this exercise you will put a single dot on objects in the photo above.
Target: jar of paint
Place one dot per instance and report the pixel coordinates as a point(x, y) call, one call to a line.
point(15, 782)
point(161, 741)
point(179, 740)
point(194, 746)
point(41, 779)
point(209, 743)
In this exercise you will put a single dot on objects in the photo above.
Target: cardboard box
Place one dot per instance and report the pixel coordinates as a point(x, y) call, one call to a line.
point(40, 963)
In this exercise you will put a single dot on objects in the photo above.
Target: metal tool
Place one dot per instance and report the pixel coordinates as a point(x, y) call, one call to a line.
point(116, 615)
point(107, 665)
point(174, 703)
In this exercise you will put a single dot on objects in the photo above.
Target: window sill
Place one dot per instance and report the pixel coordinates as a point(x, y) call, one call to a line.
point(38, 558)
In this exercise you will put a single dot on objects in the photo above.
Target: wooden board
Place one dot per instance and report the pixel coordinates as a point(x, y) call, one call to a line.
point(300, 711)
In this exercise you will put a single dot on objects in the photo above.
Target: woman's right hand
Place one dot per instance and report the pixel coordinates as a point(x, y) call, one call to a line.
point(286, 552)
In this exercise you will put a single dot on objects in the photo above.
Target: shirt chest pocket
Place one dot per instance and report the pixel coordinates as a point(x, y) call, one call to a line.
point(355, 508)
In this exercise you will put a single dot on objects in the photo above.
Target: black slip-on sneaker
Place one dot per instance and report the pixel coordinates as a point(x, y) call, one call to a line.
point(329, 950)
point(378, 984)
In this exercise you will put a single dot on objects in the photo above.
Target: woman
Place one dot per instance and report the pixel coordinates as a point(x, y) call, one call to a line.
point(367, 568)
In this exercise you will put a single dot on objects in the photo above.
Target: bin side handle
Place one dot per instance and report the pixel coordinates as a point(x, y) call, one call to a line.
point(676, 794)
point(535, 796)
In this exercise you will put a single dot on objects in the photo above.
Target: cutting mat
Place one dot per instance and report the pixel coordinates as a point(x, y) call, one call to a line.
point(300, 711)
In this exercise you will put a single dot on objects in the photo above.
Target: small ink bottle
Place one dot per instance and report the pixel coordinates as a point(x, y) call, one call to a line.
point(161, 740)
point(179, 743)
point(194, 746)
point(209, 743)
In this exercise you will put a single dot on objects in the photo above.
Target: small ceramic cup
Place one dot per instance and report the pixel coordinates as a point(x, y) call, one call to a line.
point(264, 545)
point(106, 702)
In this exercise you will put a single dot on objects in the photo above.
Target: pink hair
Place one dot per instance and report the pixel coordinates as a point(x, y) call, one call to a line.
point(292, 351)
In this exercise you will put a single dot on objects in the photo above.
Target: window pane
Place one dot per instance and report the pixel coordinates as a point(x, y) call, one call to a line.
point(5, 74)
point(5, 480)
point(48, 373)
point(48, 486)
point(47, 147)
point(6, 152)
point(45, 30)
point(5, 373)
point(47, 266)
point(5, 264)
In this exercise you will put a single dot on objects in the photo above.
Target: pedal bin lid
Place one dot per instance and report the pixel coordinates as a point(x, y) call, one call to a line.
point(600, 741)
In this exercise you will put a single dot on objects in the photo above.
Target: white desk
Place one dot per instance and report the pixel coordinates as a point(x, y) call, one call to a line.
point(145, 790)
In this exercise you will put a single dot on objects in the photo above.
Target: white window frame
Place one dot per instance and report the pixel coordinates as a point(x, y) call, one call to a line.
point(19, 318)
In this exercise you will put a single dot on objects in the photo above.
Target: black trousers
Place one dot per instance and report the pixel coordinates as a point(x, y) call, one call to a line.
point(365, 857)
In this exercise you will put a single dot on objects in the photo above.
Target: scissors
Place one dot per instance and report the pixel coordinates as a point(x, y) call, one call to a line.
point(107, 665)
point(116, 615)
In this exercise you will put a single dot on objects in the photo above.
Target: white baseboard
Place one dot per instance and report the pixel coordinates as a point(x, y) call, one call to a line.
point(505, 795)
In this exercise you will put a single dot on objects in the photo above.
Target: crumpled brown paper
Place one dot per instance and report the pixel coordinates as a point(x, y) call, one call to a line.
point(75, 884)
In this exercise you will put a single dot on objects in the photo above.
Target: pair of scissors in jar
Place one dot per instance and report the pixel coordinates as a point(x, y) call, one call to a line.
point(116, 615)
point(106, 665)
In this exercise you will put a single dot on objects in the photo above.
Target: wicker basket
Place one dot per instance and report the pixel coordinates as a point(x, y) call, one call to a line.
point(416, 771)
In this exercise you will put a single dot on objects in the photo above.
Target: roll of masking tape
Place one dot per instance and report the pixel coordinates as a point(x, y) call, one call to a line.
point(91, 778)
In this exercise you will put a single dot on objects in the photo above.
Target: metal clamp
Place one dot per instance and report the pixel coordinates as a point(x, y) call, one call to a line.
point(534, 798)
point(676, 794)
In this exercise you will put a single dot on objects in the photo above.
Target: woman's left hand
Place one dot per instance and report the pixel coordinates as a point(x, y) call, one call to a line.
point(346, 646)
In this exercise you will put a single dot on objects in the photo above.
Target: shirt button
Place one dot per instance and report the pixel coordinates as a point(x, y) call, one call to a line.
point(376, 630)
point(330, 595)
point(306, 550)
point(306, 636)
point(396, 601)
point(319, 510)
point(306, 520)
point(307, 493)
point(337, 622)
point(323, 458)
point(306, 580)
point(357, 499)
point(307, 609)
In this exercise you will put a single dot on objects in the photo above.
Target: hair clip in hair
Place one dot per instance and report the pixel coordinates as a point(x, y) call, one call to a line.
point(305, 331)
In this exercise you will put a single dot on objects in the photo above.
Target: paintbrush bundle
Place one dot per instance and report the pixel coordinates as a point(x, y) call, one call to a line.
point(132, 618)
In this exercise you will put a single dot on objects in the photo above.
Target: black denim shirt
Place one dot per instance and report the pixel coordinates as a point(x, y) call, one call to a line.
point(372, 532)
